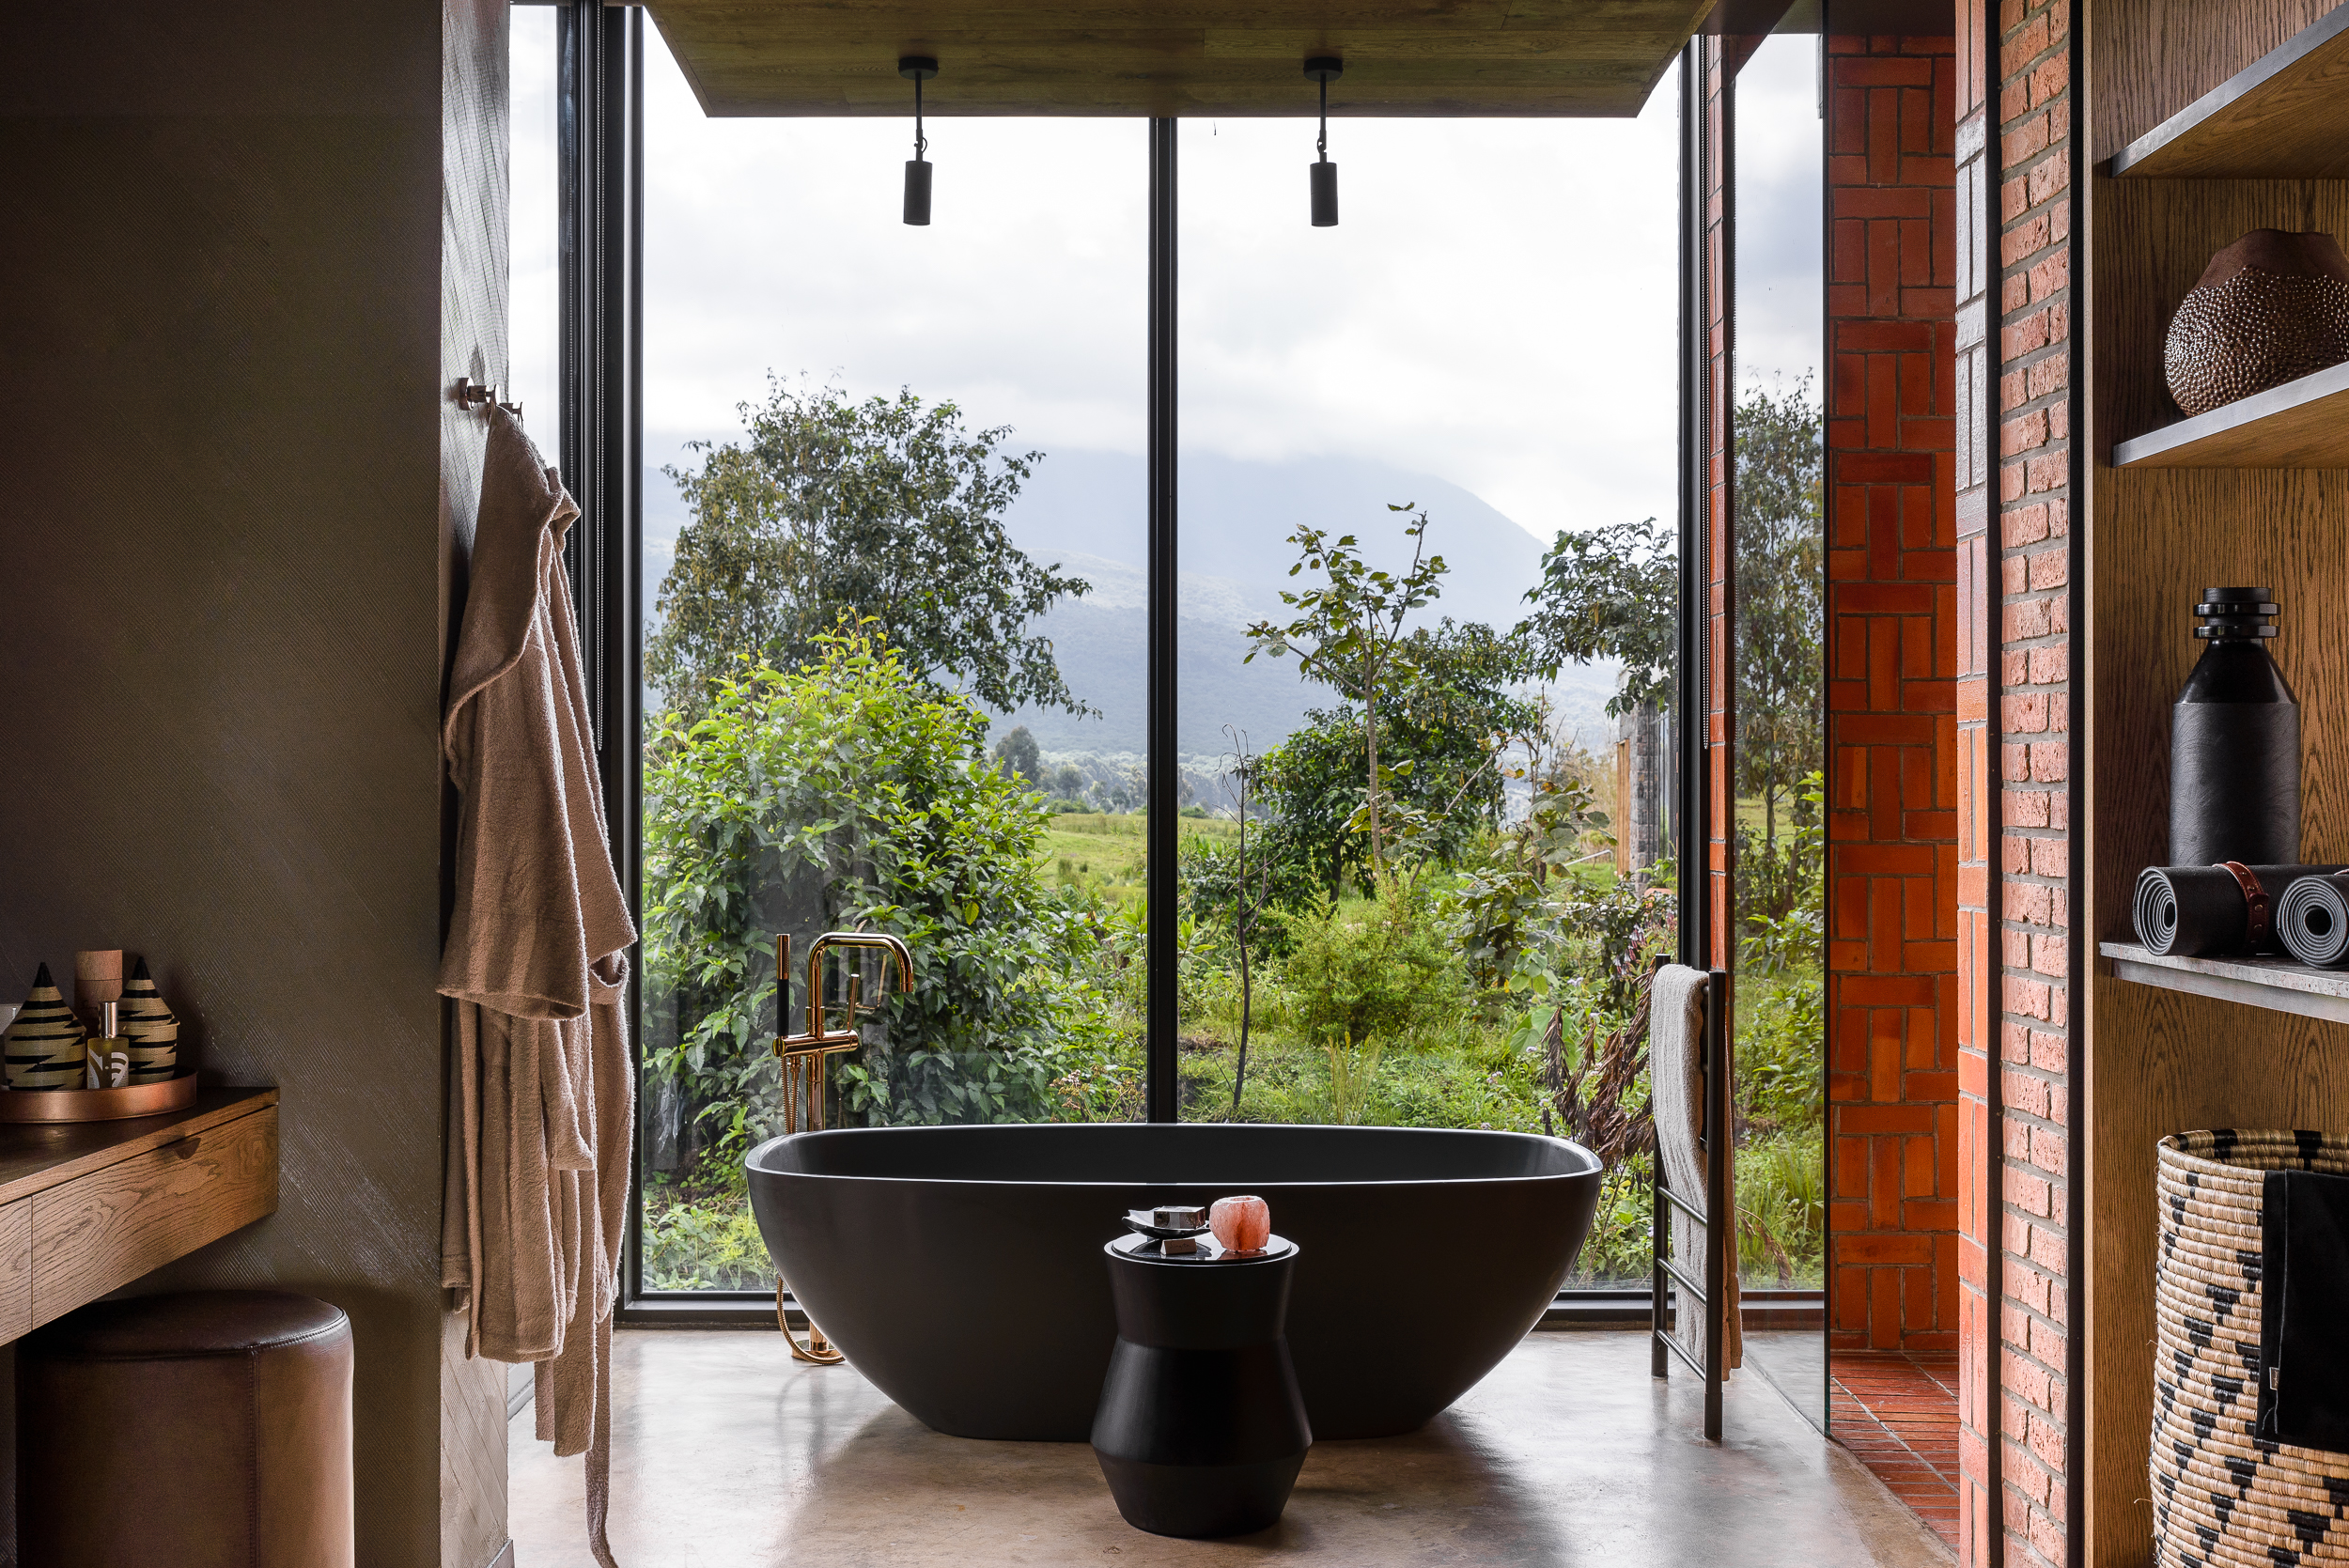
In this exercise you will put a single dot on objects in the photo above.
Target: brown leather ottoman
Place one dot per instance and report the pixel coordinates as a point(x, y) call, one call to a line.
point(211, 1428)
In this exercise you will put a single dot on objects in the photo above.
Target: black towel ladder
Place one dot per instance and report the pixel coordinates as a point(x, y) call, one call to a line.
point(1714, 1219)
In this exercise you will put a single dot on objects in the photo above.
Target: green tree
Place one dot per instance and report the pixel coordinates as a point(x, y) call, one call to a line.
point(1348, 634)
point(1253, 892)
point(1508, 895)
point(1017, 753)
point(1609, 593)
point(1070, 780)
point(888, 510)
point(1781, 609)
point(1440, 732)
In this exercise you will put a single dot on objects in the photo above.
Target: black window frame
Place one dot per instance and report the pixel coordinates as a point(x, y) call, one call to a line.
point(600, 61)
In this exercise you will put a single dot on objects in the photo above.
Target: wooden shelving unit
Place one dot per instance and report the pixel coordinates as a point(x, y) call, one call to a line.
point(2277, 984)
point(2302, 423)
point(2203, 119)
point(2285, 117)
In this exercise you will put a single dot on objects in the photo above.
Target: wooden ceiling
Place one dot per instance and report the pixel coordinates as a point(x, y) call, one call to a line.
point(1589, 58)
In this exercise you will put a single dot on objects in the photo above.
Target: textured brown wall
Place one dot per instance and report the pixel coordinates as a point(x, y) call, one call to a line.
point(222, 587)
point(473, 274)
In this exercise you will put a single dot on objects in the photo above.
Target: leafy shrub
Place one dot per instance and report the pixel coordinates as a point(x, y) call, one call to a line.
point(1623, 1230)
point(703, 1245)
point(1782, 889)
point(1782, 1210)
point(1371, 973)
point(852, 771)
point(1507, 897)
point(1779, 1044)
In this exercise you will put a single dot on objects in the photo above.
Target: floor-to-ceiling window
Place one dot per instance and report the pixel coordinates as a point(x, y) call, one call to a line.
point(1428, 602)
point(896, 592)
point(534, 264)
point(1779, 627)
point(892, 664)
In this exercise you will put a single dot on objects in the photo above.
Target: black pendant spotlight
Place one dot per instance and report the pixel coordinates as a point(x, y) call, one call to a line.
point(1325, 68)
point(917, 68)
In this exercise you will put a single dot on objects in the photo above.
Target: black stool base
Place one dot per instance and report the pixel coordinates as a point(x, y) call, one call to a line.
point(1201, 1502)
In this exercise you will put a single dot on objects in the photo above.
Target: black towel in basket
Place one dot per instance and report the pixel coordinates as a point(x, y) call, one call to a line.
point(2304, 1269)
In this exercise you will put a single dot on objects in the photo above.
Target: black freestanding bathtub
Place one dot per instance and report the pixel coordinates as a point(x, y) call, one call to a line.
point(959, 1267)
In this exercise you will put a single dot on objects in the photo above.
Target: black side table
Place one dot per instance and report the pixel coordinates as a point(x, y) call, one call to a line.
point(1201, 1429)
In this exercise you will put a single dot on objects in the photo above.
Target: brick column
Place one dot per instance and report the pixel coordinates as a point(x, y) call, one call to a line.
point(1891, 658)
point(2019, 1364)
point(1976, 1415)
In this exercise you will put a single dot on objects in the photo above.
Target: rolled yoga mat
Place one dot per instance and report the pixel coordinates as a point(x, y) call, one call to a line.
point(2313, 918)
point(2194, 910)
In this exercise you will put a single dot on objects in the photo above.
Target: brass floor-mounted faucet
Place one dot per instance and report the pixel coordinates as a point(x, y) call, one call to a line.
point(803, 1057)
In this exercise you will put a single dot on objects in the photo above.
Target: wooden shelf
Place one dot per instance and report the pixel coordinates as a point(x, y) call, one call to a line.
point(2285, 117)
point(2277, 984)
point(2302, 423)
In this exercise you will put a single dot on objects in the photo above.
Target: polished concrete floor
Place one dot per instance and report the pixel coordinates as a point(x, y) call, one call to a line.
point(727, 1453)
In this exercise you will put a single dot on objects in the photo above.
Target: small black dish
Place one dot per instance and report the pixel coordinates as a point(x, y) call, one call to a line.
point(1148, 1222)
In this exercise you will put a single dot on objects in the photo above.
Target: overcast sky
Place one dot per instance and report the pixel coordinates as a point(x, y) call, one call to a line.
point(1496, 307)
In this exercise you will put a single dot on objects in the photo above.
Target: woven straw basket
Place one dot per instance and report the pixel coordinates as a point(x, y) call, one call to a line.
point(2223, 1496)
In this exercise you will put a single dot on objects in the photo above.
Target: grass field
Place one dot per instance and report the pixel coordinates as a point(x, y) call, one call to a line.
point(1098, 850)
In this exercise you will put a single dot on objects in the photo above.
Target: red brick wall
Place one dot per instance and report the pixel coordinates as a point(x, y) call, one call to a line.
point(1892, 659)
point(1977, 1413)
point(2021, 623)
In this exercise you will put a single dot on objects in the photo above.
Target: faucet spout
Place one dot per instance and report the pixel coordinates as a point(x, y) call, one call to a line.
point(900, 961)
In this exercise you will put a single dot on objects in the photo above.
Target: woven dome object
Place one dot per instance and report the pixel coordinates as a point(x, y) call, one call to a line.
point(2223, 1495)
point(2270, 308)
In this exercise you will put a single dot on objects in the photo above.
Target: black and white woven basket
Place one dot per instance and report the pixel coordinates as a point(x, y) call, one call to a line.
point(2223, 1496)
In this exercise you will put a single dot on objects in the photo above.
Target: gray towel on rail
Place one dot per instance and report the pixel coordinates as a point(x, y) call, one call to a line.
point(1676, 1098)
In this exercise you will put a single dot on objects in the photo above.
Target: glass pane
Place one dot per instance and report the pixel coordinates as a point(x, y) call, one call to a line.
point(534, 256)
point(1779, 852)
point(893, 653)
point(1477, 364)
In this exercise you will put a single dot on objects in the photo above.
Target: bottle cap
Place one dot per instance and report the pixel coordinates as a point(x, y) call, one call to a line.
point(2230, 615)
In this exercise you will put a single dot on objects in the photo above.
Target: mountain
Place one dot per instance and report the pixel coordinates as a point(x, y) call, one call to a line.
point(1088, 511)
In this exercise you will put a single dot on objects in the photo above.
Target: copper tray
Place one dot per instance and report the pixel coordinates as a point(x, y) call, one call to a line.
point(98, 1104)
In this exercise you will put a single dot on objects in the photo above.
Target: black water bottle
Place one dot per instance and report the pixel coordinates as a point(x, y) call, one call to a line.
point(2234, 743)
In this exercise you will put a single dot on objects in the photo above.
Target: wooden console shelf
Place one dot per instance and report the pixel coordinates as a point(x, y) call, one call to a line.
point(2302, 423)
point(2277, 984)
point(2284, 117)
point(86, 1207)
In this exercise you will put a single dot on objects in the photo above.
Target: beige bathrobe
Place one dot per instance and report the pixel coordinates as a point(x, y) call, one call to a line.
point(543, 1103)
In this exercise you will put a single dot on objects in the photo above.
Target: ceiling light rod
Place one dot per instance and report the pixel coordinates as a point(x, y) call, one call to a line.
point(1325, 68)
point(917, 68)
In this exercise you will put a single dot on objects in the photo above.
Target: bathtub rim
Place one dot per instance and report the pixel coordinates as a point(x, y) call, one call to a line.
point(1594, 1168)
